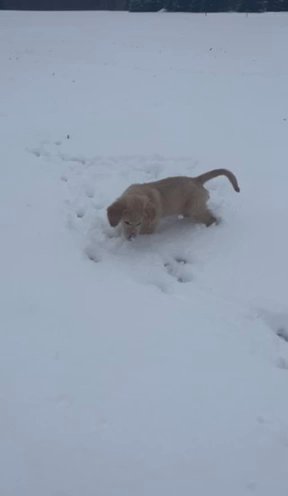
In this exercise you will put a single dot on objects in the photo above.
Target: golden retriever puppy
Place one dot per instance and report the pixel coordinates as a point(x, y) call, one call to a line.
point(141, 206)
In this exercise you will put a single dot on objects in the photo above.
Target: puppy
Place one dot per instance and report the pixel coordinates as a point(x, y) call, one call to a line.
point(141, 206)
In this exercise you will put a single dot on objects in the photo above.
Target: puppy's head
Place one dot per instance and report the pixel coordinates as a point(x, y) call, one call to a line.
point(131, 211)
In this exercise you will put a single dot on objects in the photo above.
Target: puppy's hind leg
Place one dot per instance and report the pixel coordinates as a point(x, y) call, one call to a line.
point(203, 216)
point(207, 218)
point(196, 207)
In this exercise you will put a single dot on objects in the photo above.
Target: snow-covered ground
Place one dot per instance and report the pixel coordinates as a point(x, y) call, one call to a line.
point(158, 367)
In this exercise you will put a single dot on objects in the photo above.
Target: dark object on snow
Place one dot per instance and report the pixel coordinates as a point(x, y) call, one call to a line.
point(283, 333)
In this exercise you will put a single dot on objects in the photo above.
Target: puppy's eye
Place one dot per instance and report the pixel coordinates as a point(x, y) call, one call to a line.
point(127, 222)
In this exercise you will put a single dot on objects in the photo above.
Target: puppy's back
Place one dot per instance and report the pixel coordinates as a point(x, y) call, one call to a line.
point(175, 192)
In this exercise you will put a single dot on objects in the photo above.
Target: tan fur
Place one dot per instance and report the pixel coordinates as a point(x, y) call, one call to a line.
point(141, 206)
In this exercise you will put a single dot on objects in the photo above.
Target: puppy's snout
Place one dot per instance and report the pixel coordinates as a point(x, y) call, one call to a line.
point(131, 236)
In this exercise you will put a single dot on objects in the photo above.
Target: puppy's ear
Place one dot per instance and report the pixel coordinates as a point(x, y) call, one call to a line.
point(114, 212)
point(150, 211)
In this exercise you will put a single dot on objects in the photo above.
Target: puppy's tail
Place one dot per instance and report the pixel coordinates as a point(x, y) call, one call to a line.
point(218, 172)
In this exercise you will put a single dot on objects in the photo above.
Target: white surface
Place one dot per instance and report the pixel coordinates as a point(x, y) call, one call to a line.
point(156, 370)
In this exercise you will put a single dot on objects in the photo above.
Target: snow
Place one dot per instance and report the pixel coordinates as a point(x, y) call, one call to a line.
point(160, 366)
